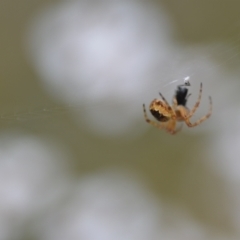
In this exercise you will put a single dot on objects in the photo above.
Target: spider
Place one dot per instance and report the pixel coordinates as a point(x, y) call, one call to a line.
point(168, 116)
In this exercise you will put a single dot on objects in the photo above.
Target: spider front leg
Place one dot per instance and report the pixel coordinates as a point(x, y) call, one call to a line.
point(189, 124)
point(197, 103)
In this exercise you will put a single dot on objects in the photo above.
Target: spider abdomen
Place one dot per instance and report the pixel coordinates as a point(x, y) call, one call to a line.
point(160, 117)
point(159, 111)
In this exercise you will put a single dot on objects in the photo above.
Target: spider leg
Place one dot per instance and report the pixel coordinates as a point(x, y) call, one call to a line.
point(186, 118)
point(153, 123)
point(197, 103)
point(164, 99)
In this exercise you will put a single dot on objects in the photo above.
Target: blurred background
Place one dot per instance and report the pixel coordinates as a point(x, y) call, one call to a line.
point(77, 159)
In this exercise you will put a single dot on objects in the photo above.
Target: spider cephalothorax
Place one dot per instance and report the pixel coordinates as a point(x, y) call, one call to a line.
point(168, 116)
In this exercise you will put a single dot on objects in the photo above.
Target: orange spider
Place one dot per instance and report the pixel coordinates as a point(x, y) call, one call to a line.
point(168, 116)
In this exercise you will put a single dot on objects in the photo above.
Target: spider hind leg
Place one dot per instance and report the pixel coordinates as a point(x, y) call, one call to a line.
point(202, 119)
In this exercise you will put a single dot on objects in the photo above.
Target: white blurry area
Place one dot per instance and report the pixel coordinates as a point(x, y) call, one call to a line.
point(32, 178)
point(101, 56)
point(109, 205)
point(107, 58)
point(39, 198)
point(114, 205)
